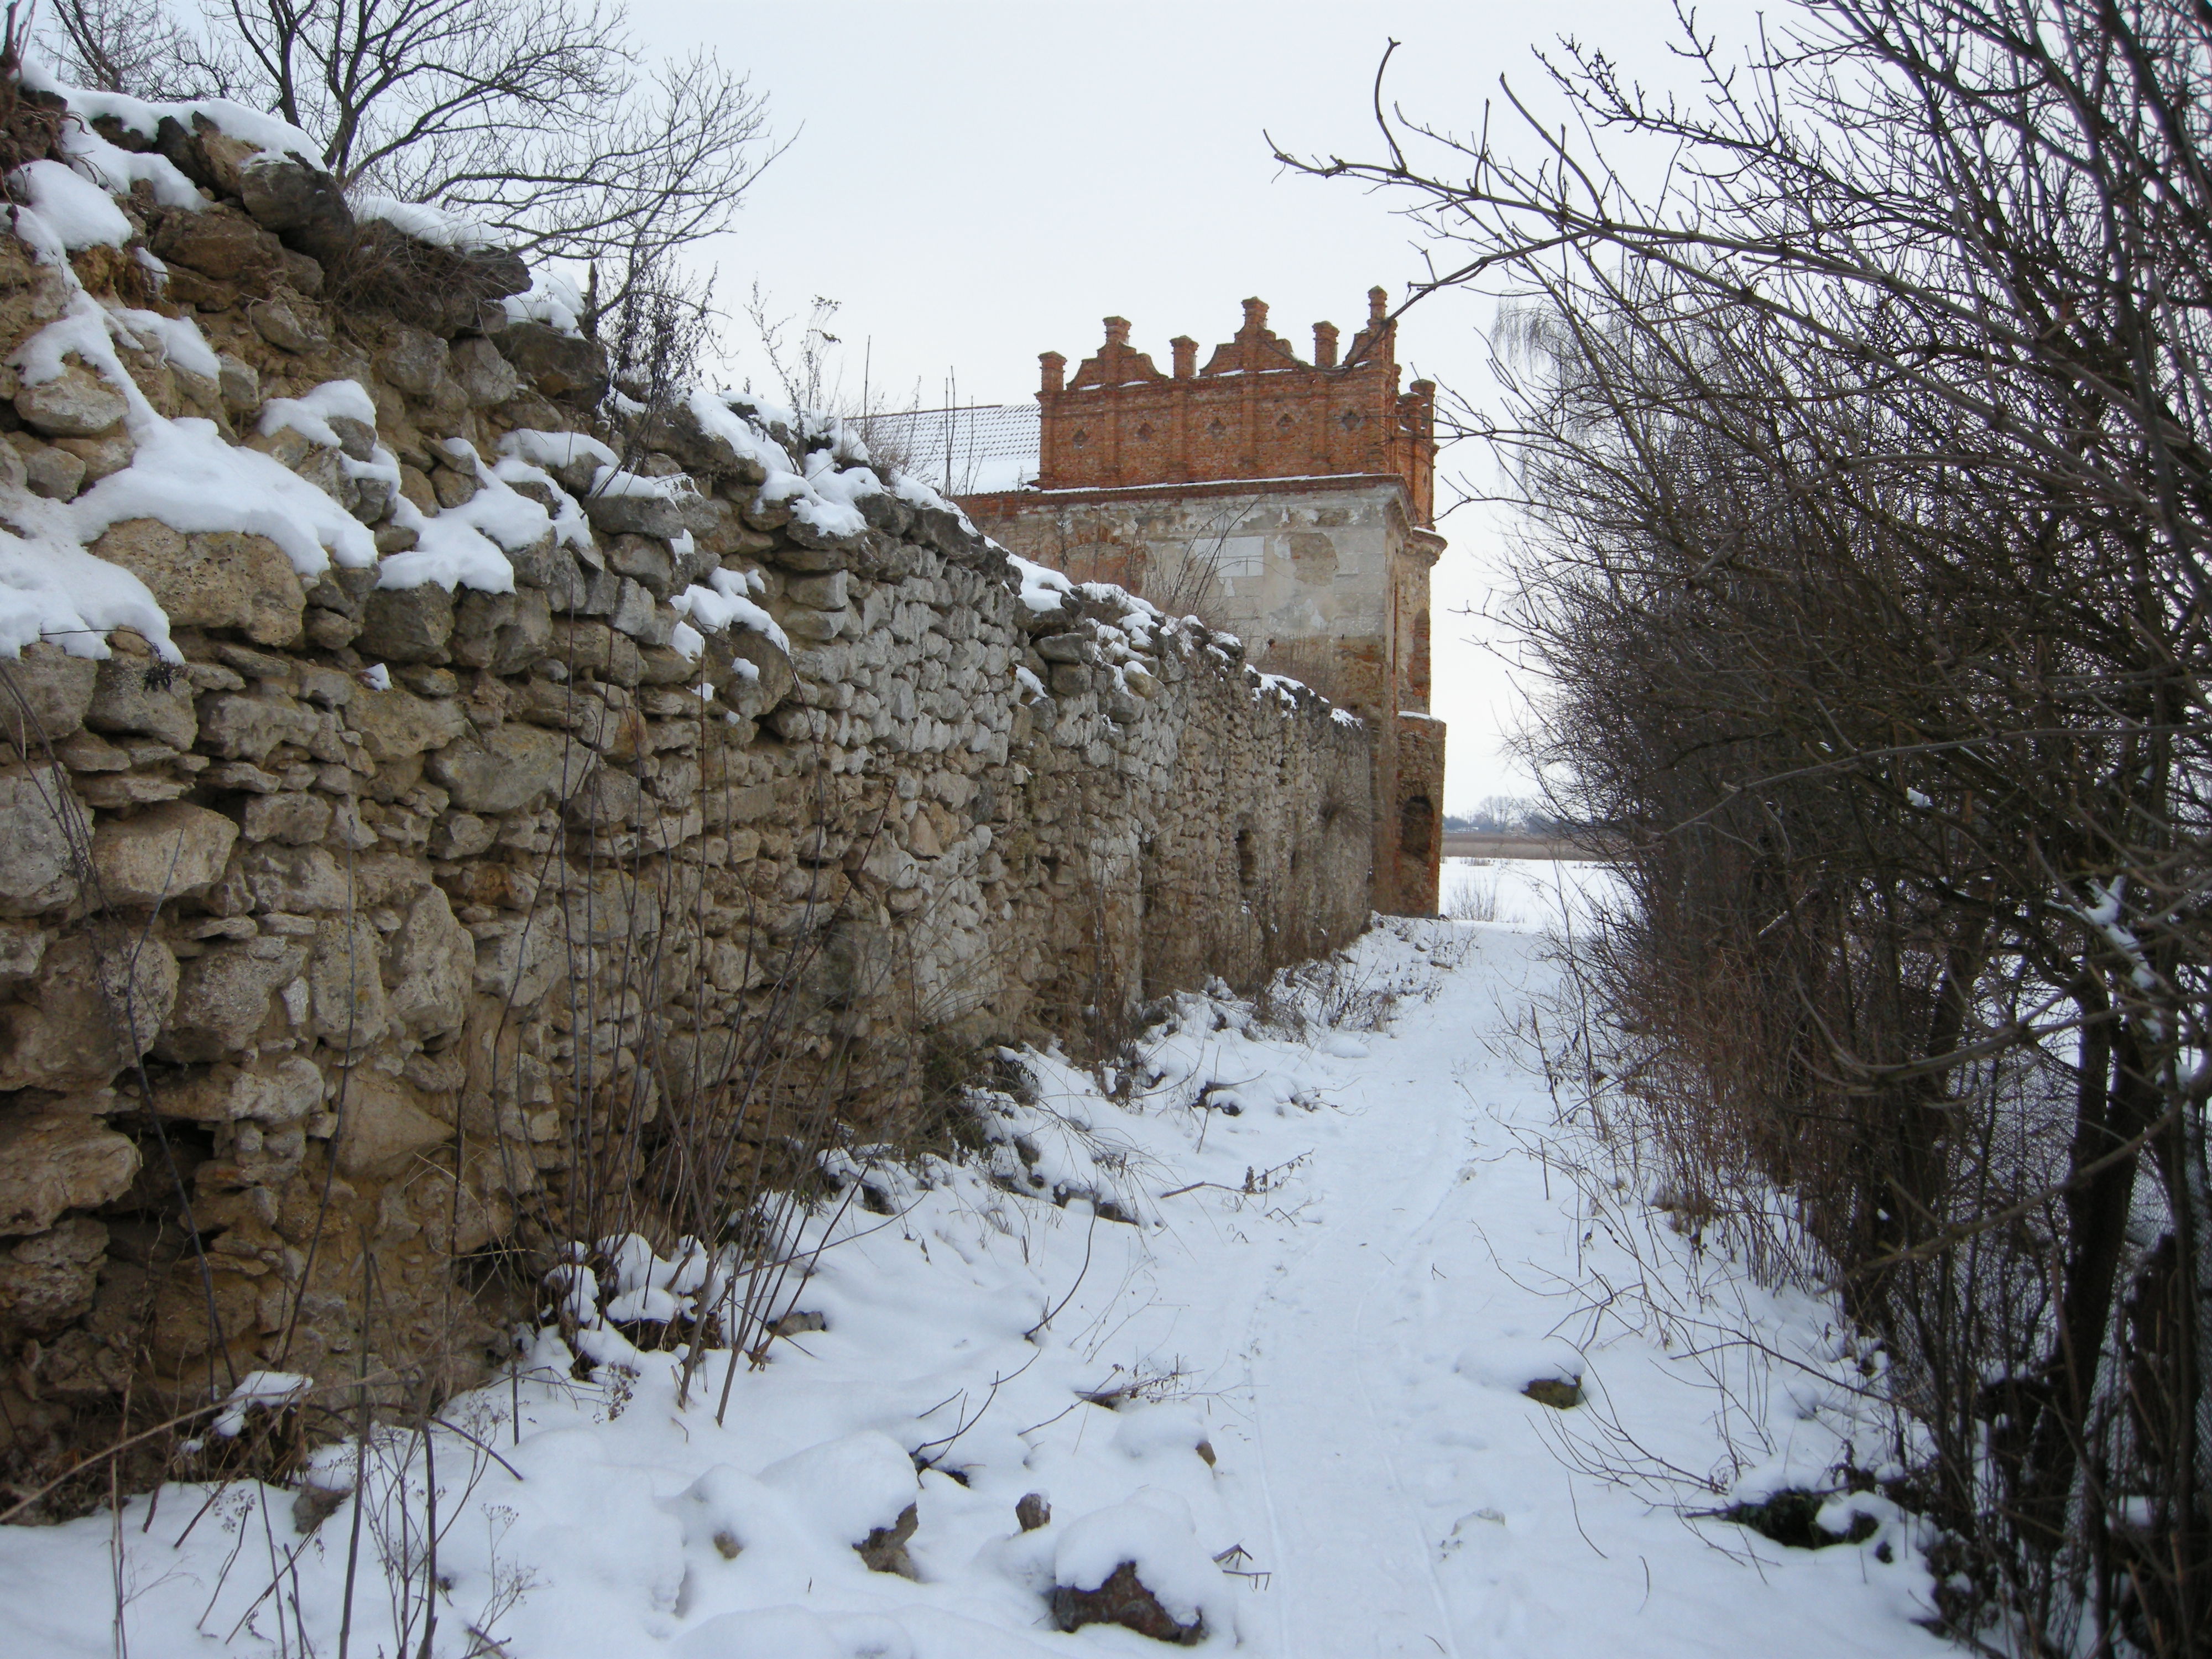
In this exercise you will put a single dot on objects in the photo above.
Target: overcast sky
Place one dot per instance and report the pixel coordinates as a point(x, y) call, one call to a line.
point(975, 184)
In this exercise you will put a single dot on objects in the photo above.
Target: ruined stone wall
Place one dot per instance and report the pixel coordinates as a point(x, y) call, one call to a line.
point(341, 920)
point(1326, 581)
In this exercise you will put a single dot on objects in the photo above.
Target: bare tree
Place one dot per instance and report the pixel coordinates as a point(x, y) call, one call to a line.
point(1867, 472)
point(540, 119)
point(134, 46)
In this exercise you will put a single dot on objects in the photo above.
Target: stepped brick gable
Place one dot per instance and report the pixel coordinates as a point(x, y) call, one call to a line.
point(1254, 411)
point(1290, 502)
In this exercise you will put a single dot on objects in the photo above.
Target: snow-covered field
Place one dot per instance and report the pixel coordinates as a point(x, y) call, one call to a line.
point(1524, 892)
point(1291, 1391)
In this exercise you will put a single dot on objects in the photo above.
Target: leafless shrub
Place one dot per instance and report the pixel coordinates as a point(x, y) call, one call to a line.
point(1476, 900)
point(1863, 484)
point(807, 367)
point(1186, 580)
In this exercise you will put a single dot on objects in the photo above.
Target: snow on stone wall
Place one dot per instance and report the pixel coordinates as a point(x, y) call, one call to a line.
point(404, 765)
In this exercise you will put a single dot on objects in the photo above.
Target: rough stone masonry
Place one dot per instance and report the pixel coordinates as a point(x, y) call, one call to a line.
point(338, 941)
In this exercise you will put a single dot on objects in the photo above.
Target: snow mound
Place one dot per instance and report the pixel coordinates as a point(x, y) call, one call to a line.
point(425, 223)
point(1512, 1361)
point(847, 1487)
point(1154, 1531)
point(79, 212)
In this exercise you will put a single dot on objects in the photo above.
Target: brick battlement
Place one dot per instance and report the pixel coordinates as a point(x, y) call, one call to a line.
point(1255, 411)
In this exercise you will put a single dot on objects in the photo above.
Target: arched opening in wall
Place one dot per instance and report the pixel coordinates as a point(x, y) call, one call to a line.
point(1417, 826)
point(1417, 671)
point(1247, 858)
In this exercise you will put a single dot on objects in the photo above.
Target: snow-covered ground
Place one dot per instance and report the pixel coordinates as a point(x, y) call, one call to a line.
point(1524, 892)
point(1291, 1390)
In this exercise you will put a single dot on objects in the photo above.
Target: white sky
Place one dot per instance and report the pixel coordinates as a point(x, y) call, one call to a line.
point(977, 183)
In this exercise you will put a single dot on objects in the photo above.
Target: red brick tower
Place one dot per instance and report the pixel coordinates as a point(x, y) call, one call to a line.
point(1296, 498)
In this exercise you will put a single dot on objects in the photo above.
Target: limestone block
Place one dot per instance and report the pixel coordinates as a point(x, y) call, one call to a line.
point(297, 818)
point(640, 616)
point(44, 695)
point(646, 559)
point(658, 665)
point(219, 245)
point(801, 624)
point(22, 948)
point(75, 404)
point(47, 470)
point(382, 1126)
point(519, 964)
point(707, 547)
point(326, 688)
point(98, 1000)
point(413, 360)
point(479, 370)
point(357, 438)
point(676, 781)
point(452, 487)
point(78, 1366)
point(415, 487)
point(634, 515)
point(222, 1000)
point(606, 801)
point(394, 725)
point(164, 853)
point(461, 836)
point(132, 694)
point(593, 647)
point(429, 965)
point(240, 380)
point(51, 1278)
point(50, 1162)
point(773, 676)
point(446, 411)
point(564, 368)
point(289, 327)
point(110, 453)
point(503, 632)
point(180, 1313)
point(294, 880)
point(276, 1096)
point(827, 592)
point(1067, 647)
point(350, 1010)
point(217, 579)
point(699, 1060)
point(407, 624)
point(301, 203)
point(551, 566)
point(35, 871)
point(506, 770)
point(239, 727)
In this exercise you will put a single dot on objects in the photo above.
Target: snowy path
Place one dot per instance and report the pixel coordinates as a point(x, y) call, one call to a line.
point(1408, 1497)
point(1326, 1350)
point(1314, 1347)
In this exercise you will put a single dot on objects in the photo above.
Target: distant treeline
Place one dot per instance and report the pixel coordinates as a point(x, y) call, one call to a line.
point(1506, 815)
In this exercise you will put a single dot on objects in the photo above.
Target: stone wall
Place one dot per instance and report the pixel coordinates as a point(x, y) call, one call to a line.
point(1326, 581)
point(344, 915)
